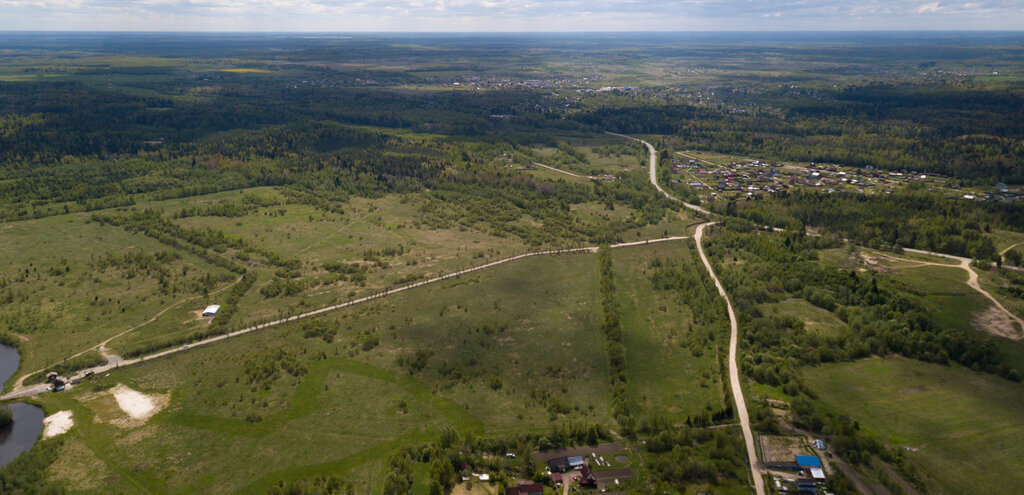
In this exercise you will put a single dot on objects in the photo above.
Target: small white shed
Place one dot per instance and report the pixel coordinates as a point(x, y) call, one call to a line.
point(211, 310)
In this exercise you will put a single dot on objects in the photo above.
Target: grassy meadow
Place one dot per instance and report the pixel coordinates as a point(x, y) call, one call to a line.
point(509, 350)
point(665, 377)
point(534, 330)
point(960, 428)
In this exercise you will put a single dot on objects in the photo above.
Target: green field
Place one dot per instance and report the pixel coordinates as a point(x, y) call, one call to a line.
point(63, 302)
point(961, 428)
point(665, 377)
point(510, 350)
point(530, 324)
point(815, 319)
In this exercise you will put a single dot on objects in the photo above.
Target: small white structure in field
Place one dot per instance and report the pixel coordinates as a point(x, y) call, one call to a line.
point(211, 310)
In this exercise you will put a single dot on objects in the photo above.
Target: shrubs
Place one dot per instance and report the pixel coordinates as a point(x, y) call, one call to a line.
point(612, 328)
point(6, 416)
point(324, 329)
point(321, 485)
point(263, 369)
point(27, 472)
point(415, 362)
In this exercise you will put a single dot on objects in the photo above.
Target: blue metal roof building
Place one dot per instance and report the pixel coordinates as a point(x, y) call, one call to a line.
point(808, 461)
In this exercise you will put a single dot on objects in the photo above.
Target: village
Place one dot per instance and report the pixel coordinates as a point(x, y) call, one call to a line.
point(755, 179)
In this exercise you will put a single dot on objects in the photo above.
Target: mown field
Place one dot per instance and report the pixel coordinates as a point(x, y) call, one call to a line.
point(960, 428)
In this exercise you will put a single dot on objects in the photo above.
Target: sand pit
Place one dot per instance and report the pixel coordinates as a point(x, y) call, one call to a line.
point(138, 405)
point(57, 424)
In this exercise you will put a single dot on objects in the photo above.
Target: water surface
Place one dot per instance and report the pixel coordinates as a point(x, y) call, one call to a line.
point(8, 363)
point(20, 435)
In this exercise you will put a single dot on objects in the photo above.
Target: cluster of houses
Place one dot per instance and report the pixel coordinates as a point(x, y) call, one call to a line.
point(756, 178)
point(1001, 192)
point(559, 466)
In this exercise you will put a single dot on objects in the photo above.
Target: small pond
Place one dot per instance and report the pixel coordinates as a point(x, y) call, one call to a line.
point(20, 435)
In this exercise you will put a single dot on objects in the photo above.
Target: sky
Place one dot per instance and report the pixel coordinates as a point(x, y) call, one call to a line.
point(508, 15)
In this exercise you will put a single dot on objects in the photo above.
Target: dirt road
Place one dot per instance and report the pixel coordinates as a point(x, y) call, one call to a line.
point(734, 376)
point(695, 158)
point(972, 281)
point(21, 391)
point(734, 372)
point(566, 172)
point(652, 169)
point(102, 346)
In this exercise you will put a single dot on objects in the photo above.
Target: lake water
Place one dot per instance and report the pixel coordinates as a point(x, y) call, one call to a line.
point(20, 435)
point(8, 363)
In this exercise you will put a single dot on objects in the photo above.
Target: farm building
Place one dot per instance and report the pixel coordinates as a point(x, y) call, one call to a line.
point(211, 310)
point(806, 485)
point(808, 461)
point(575, 462)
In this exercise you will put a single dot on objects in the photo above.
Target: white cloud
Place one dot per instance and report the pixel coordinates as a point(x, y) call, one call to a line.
point(929, 8)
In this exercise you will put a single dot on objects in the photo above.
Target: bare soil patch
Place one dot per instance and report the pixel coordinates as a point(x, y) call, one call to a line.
point(600, 449)
point(912, 390)
point(996, 322)
point(57, 424)
point(781, 448)
point(478, 488)
point(124, 407)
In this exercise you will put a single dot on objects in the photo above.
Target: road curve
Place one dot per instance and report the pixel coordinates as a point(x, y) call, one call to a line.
point(654, 176)
point(36, 389)
point(734, 375)
point(972, 281)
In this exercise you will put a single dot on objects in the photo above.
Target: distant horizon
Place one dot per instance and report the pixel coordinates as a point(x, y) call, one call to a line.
point(652, 31)
point(490, 16)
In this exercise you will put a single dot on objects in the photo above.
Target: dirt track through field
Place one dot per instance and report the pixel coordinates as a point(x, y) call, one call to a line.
point(39, 388)
point(566, 172)
point(734, 379)
point(102, 346)
point(972, 281)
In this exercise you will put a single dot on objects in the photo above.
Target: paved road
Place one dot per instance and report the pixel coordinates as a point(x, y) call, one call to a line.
point(117, 363)
point(734, 375)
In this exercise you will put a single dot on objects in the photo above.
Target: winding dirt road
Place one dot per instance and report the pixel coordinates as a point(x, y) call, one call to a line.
point(734, 375)
point(972, 281)
point(102, 346)
point(654, 175)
